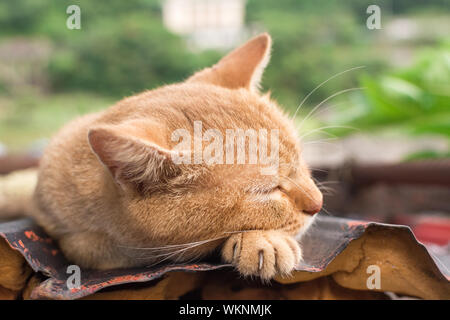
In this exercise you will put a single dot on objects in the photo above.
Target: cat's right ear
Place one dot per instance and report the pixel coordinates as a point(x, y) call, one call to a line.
point(133, 162)
point(241, 68)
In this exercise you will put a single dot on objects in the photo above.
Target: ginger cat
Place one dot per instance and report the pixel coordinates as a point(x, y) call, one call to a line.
point(111, 194)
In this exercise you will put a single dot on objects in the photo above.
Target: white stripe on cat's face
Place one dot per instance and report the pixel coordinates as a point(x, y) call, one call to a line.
point(309, 221)
point(264, 197)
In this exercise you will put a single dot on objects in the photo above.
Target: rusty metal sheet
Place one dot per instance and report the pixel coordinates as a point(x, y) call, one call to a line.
point(331, 235)
point(43, 255)
point(328, 248)
point(346, 249)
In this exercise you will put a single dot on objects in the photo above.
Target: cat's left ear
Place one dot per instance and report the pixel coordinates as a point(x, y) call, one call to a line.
point(241, 68)
point(133, 156)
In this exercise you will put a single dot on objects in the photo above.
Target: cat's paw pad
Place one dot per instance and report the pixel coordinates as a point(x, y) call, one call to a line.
point(262, 253)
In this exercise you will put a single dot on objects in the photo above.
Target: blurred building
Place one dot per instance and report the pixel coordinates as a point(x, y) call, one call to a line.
point(206, 24)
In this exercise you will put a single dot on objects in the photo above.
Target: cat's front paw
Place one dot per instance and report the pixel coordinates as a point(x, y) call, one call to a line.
point(262, 253)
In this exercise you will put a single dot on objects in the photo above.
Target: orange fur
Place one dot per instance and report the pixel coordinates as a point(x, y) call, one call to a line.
point(107, 184)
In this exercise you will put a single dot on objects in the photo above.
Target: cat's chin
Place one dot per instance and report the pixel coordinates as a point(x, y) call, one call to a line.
point(308, 222)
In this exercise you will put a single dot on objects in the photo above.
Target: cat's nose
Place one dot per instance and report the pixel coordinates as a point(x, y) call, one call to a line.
point(308, 197)
point(313, 207)
point(312, 201)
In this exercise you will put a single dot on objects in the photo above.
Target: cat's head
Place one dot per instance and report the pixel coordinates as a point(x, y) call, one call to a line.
point(179, 186)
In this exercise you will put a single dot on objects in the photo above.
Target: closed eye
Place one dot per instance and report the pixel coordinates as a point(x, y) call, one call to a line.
point(263, 197)
point(267, 191)
point(268, 194)
point(270, 190)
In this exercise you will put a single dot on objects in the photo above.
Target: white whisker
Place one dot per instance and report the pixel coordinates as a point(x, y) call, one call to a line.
point(321, 129)
point(171, 254)
point(320, 85)
point(325, 100)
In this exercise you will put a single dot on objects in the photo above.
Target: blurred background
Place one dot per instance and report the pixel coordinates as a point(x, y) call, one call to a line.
point(375, 103)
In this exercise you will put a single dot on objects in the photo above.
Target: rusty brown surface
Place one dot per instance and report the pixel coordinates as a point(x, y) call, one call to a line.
point(405, 265)
point(14, 271)
point(224, 285)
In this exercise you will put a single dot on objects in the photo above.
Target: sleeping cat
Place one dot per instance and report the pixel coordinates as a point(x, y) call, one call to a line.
point(112, 195)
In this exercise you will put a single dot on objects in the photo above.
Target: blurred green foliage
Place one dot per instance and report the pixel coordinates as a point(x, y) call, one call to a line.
point(123, 48)
point(31, 117)
point(415, 99)
point(313, 41)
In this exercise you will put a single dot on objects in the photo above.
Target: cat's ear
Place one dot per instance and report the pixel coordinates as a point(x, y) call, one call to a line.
point(132, 161)
point(241, 68)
